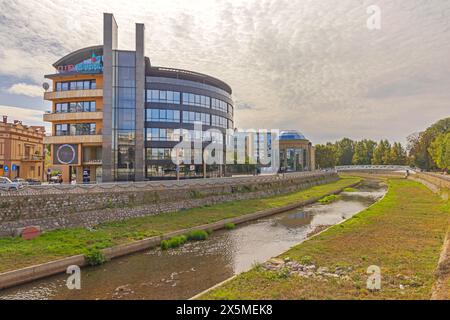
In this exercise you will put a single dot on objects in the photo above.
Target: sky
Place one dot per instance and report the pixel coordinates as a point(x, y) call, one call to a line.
point(309, 65)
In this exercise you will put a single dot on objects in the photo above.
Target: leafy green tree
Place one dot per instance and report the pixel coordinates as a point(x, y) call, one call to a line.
point(363, 152)
point(440, 151)
point(419, 144)
point(325, 156)
point(397, 154)
point(387, 153)
point(378, 153)
point(359, 155)
point(344, 152)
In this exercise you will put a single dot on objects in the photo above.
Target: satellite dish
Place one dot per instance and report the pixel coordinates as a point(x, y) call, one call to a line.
point(46, 86)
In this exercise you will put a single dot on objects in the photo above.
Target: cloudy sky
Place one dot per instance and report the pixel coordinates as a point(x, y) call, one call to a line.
point(311, 65)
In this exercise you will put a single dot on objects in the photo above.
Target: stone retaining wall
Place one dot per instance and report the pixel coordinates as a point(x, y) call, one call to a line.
point(441, 181)
point(71, 209)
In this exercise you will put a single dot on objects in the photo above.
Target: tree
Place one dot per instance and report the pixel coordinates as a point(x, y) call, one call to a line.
point(397, 155)
point(419, 144)
point(440, 151)
point(325, 156)
point(417, 156)
point(359, 156)
point(344, 152)
point(363, 152)
point(378, 153)
point(387, 153)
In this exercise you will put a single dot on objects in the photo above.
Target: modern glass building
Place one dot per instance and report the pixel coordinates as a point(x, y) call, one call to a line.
point(116, 117)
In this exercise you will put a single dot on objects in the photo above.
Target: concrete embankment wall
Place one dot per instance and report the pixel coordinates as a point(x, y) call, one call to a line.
point(71, 206)
point(440, 181)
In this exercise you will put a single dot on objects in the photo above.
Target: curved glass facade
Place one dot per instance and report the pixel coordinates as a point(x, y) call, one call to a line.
point(173, 105)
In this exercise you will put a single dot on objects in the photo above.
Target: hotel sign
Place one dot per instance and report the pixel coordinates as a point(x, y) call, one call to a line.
point(91, 65)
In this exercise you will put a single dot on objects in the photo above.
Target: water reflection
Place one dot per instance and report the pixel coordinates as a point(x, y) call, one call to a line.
point(184, 272)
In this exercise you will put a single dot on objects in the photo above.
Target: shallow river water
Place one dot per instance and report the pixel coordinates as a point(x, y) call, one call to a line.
point(184, 272)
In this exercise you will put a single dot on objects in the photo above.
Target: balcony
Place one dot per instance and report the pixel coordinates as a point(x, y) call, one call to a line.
point(73, 94)
point(33, 158)
point(73, 116)
point(92, 162)
point(72, 139)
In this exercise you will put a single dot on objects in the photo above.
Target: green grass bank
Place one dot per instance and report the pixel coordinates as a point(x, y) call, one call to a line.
point(403, 234)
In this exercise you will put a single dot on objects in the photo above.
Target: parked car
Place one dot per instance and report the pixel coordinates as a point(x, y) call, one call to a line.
point(33, 182)
point(6, 184)
point(20, 181)
point(56, 179)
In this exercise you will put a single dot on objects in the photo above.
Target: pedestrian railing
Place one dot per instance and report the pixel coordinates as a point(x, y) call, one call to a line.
point(374, 167)
point(172, 184)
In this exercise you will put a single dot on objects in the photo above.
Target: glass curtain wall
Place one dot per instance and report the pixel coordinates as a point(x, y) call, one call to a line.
point(124, 115)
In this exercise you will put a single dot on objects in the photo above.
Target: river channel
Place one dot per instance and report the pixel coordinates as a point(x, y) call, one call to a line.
point(184, 272)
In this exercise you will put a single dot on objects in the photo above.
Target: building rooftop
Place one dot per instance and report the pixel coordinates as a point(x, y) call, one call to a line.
point(18, 125)
point(291, 135)
point(85, 53)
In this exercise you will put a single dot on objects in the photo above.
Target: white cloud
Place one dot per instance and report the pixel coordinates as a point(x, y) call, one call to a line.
point(26, 89)
point(306, 64)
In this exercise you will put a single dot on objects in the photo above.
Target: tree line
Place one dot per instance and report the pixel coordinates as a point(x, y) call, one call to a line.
point(428, 150)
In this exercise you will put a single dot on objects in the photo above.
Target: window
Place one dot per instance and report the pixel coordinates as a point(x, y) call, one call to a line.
point(126, 137)
point(84, 106)
point(191, 99)
point(159, 154)
point(168, 171)
point(219, 105)
point(76, 85)
point(86, 85)
point(127, 59)
point(230, 110)
point(62, 129)
point(205, 136)
point(127, 77)
point(163, 115)
point(78, 129)
point(162, 96)
point(219, 122)
point(193, 117)
point(156, 134)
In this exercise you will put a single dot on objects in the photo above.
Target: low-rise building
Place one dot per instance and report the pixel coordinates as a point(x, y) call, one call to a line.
point(21, 150)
